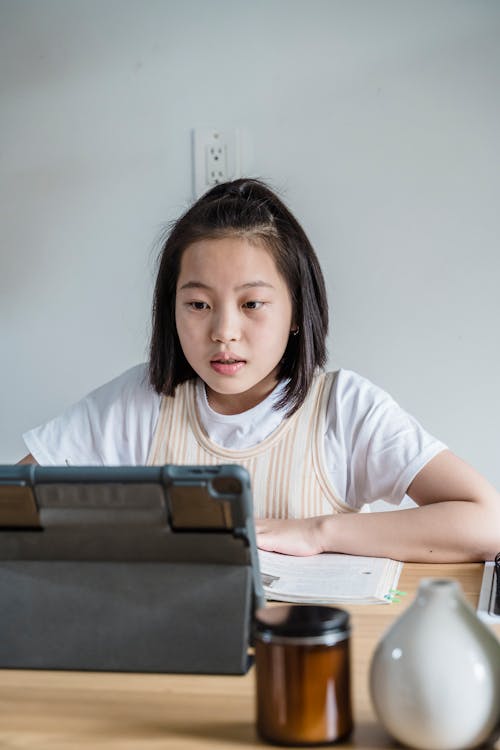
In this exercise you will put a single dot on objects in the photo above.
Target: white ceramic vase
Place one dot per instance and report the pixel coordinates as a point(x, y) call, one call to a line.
point(435, 674)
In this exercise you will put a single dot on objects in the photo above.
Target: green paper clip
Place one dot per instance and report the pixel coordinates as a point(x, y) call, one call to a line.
point(394, 596)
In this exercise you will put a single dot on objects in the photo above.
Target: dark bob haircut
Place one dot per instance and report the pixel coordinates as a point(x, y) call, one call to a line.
point(249, 209)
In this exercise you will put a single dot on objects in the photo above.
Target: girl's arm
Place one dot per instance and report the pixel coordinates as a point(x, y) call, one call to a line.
point(458, 520)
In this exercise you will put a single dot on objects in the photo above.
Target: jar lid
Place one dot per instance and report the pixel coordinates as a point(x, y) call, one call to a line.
point(300, 620)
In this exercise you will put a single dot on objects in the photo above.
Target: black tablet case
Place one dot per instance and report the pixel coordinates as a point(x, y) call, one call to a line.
point(150, 569)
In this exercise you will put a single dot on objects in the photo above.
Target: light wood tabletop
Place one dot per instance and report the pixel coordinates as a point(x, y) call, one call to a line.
point(54, 710)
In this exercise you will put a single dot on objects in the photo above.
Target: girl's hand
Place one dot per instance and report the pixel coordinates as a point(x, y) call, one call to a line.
point(299, 537)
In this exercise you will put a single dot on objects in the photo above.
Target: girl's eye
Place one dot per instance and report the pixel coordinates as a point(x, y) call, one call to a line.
point(198, 305)
point(253, 305)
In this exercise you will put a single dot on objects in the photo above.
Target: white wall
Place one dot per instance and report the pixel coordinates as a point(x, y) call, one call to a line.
point(379, 120)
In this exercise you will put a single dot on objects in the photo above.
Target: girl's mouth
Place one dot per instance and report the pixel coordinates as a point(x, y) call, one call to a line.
point(227, 366)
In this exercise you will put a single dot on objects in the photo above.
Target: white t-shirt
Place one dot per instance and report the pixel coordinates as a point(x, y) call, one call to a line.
point(373, 448)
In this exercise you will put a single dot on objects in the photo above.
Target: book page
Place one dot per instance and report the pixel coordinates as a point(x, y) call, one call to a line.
point(328, 578)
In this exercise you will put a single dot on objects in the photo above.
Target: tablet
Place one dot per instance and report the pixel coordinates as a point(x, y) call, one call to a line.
point(150, 569)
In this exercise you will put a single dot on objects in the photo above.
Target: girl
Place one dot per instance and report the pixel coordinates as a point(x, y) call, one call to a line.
point(235, 375)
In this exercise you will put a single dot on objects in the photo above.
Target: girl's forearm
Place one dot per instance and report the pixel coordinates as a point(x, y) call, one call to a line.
point(452, 531)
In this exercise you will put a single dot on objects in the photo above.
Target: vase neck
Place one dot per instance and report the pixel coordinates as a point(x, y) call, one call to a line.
point(438, 590)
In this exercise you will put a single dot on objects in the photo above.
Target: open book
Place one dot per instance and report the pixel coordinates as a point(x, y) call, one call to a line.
point(329, 578)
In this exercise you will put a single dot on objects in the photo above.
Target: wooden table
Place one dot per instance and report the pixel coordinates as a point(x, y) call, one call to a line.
point(73, 710)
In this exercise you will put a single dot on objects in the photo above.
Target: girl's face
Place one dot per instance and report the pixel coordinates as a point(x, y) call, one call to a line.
point(233, 314)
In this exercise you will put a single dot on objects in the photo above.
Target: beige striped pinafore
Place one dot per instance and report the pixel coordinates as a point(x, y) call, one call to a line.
point(287, 469)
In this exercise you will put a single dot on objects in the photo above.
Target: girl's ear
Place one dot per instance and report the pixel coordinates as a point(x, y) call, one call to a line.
point(295, 331)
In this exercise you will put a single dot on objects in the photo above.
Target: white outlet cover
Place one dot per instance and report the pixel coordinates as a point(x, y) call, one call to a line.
point(216, 158)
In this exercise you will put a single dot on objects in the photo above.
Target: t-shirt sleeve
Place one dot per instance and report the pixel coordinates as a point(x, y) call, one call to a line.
point(385, 447)
point(113, 425)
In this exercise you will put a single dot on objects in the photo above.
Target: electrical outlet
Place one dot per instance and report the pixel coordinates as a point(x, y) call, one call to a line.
point(216, 158)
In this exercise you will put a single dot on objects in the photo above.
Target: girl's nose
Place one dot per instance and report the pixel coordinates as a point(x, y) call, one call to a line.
point(225, 327)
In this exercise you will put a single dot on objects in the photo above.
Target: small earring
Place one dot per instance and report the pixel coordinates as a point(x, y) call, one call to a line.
point(295, 332)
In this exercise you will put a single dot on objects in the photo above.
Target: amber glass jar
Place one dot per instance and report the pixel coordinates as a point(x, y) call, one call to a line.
point(302, 673)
